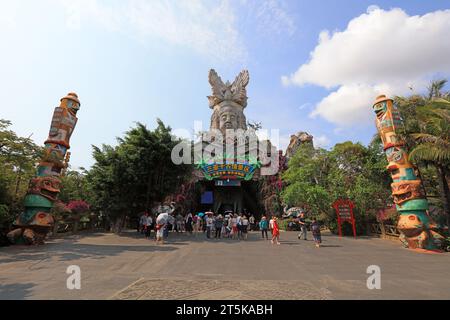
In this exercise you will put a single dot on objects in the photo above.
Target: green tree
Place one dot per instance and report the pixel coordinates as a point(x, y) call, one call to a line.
point(316, 178)
point(18, 156)
point(138, 172)
point(427, 132)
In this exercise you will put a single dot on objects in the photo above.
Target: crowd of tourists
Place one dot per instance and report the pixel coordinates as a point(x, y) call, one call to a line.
point(228, 226)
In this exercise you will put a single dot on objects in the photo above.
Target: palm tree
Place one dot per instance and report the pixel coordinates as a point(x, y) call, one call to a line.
point(435, 89)
point(430, 137)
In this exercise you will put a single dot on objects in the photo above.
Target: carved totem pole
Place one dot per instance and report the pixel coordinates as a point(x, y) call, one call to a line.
point(36, 221)
point(415, 225)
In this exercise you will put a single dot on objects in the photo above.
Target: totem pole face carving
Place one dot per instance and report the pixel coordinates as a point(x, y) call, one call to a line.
point(396, 157)
point(48, 187)
point(406, 190)
point(71, 102)
point(410, 225)
point(380, 110)
point(43, 219)
point(54, 153)
point(48, 169)
point(401, 174)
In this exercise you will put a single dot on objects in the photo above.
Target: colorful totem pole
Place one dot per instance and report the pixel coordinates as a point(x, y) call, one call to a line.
point(36, 221)
point(415, 225)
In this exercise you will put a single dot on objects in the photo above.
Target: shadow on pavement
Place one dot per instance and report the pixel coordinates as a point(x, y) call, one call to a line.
point(15, 291)
point(73, 251)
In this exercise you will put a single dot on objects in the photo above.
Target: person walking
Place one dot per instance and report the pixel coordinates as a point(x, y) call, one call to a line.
point(143, 222)
point(275, 231)
point(188, 223)
point(271, 224)
point(244, 227)
point(148, 225)
point(315, 229)
point(302, 222)
point(225, 225)
point(209, 225)
point(179, 223)
point(263, 226)
point(197, 224)
point(234, 227)
point(218, 224)
point(239, 225)
point(252, 221)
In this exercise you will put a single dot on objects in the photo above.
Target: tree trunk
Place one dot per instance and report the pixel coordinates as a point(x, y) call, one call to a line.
point(445, 192)
point(55, 228)
point(118, 225)
point(75, 226)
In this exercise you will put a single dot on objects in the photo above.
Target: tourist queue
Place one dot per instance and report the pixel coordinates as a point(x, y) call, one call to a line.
point(230, 226)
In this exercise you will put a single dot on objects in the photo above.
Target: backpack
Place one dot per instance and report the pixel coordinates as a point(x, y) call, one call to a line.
point(263, 224)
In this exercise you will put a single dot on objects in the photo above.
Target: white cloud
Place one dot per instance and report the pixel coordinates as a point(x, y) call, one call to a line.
point(379, 51)
point(305, 105)
point(8, 14)
point(350, 104)
point(321, 141)
point(274, 18)
point(204, 27)
point(283, 142)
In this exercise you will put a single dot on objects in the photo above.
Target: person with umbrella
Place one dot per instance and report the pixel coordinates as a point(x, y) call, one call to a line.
point(162, 220)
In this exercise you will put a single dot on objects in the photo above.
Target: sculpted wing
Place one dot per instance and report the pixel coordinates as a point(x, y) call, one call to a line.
point(217, 85)
point(238, 87)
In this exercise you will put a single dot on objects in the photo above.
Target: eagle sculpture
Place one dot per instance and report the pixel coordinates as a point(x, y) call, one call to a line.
point(235, 92)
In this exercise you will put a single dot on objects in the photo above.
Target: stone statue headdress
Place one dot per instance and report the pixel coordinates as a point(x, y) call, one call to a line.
point(235, 92)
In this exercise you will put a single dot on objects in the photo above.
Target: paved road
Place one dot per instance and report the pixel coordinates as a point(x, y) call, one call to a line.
point(187, 267)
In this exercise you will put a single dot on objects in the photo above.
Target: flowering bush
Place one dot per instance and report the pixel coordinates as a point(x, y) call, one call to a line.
point(78, 206)
point(60, 209)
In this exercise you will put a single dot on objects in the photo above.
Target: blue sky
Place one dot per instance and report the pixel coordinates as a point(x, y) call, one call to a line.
point(138, 60)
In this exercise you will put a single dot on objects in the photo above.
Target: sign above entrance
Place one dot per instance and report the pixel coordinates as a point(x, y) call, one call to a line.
point(235, 171)
point(239, 169)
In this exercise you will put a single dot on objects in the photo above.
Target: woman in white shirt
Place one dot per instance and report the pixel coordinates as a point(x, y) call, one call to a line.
point(244, 227)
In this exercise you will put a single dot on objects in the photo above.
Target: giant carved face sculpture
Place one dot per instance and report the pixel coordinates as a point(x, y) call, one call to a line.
point(228, 118)
point(48, 187)
point(406, 190)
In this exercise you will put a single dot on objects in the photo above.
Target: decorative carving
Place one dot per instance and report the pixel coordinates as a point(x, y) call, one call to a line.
point(48, 187)
point(235, 92)
point(415, 224)
point(36, 221)
point(406, 190)
point(228, 102)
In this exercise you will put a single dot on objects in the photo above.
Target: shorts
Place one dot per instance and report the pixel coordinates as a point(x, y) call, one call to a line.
point(317, 238)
